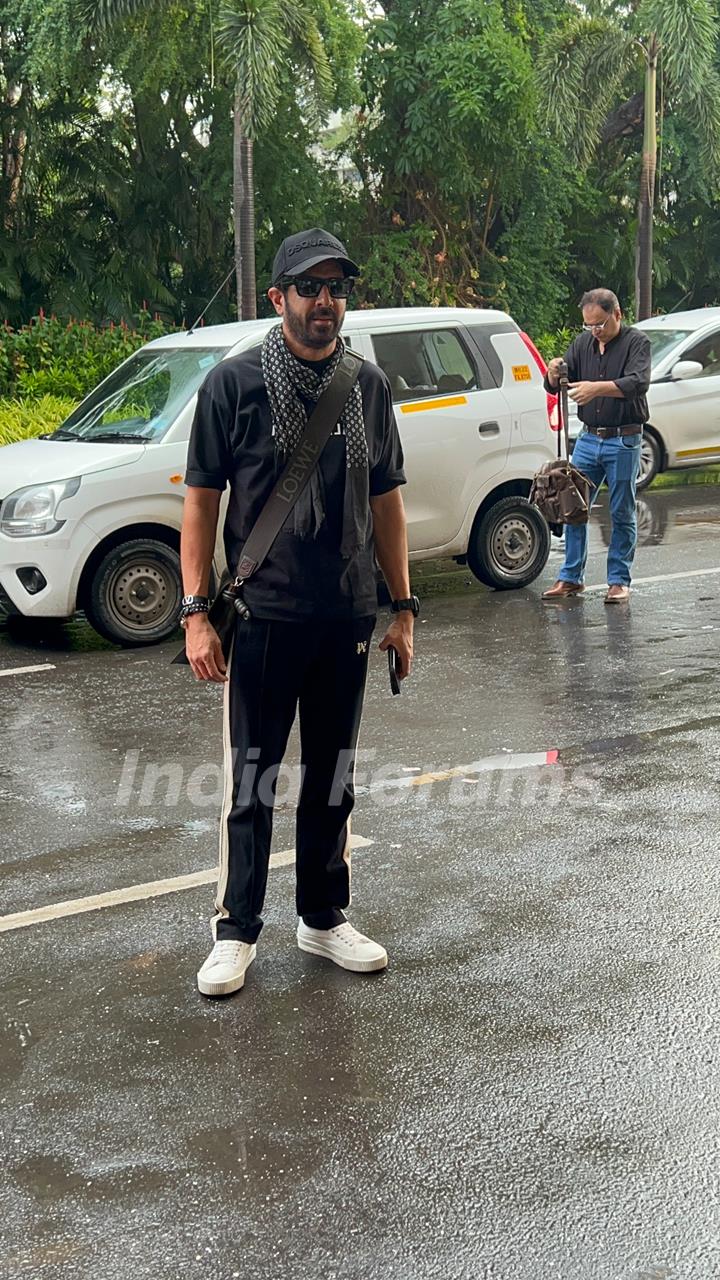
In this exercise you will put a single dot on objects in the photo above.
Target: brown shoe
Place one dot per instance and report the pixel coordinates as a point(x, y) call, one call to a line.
point(617, 594)
point(562, 590)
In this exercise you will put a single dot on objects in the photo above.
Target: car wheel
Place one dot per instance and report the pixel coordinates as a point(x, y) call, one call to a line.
point(509, 544)
point(650, 460)
point(136, 593)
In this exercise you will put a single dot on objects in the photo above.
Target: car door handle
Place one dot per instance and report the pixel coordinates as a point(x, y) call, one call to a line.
point(489, 429)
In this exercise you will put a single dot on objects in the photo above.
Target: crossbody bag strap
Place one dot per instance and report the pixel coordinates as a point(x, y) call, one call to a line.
point(300, 465)
point(564, 425)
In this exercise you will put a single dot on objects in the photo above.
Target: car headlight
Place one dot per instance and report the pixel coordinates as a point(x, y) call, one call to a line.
point(32, 512)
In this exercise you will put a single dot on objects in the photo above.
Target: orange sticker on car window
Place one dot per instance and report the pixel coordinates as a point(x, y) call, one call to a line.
point(521, 373)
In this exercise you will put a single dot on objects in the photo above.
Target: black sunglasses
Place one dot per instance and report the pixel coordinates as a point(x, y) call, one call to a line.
point(310, 286)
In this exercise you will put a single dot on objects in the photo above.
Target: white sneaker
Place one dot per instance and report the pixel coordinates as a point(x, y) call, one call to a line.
point(344, 945)
point(224, 970)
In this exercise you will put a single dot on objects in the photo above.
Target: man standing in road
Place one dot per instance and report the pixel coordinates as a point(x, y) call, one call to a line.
point(609, 374)
point(312, 603)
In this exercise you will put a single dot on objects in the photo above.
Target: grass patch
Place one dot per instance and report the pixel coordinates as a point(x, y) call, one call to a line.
point(443, 578)
point(677, 479)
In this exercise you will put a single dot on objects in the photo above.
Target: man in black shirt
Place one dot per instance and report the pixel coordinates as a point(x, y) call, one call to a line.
point(609, 373)
point(312, 603)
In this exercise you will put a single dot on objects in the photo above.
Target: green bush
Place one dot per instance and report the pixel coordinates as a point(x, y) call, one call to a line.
point(21, 419)
point(552, 344)
point(51, 357)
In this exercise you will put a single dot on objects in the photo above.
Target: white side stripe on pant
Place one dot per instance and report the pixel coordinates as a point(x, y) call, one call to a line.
point(222, 911)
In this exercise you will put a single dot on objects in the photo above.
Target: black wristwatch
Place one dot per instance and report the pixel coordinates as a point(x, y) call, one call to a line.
point(412, 603)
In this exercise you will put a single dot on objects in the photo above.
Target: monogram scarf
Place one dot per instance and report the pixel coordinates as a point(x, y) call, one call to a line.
point(288, 380)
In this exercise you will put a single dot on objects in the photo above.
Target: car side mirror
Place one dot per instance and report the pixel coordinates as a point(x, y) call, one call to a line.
point(685, 369)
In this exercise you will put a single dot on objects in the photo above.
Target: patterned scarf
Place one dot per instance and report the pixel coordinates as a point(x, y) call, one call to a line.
point(287, 379)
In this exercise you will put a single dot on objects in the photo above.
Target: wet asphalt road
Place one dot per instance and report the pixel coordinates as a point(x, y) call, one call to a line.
point(530, 1090)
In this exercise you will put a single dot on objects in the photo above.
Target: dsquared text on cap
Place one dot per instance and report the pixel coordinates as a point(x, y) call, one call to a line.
point(312, 244)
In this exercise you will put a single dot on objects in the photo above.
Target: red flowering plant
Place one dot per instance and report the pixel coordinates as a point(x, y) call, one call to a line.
point(67, 358)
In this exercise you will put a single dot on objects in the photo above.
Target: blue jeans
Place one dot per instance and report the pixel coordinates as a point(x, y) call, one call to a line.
point(616, 460)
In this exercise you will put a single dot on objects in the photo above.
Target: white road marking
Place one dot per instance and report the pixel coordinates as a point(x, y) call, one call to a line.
point(488, 764)
point(157, 888)
point(20, 671)
point(137, 892)
point(660, 577)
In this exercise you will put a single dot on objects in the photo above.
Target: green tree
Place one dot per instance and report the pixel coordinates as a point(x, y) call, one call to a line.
point(449, 110)
point(116, 203)
point(265, 44)
point(585, 74)
point(264, 41)
point(116, 148)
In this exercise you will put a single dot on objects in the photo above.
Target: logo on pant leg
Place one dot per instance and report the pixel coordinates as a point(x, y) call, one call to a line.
point(362, 646)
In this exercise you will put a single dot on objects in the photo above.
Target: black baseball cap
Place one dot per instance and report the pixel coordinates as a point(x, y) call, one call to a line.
point(305, 249)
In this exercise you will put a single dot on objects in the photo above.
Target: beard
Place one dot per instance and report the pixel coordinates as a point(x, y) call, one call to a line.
point(305, 332)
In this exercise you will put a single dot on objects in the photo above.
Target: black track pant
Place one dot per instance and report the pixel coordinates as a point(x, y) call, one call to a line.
point(274, 668)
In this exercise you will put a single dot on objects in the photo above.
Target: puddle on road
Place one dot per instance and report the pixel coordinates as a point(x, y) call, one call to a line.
point(630, 741)
point(670, 516)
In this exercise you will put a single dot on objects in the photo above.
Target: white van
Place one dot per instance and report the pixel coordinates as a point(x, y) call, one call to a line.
point(90, 516)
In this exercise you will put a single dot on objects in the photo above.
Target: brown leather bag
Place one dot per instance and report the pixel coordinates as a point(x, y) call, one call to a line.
point(559, 490)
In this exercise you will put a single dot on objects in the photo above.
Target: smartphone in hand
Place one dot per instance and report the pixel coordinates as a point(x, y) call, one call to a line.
point(394, 667)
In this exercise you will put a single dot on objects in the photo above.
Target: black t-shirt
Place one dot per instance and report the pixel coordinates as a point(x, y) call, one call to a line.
point(232, 443)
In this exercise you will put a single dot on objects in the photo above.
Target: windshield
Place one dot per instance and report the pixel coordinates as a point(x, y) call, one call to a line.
point(662, 341)
point(141, 399)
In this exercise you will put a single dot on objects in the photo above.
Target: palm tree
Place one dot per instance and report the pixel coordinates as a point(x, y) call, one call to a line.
point(596, 54)
point(263, 42)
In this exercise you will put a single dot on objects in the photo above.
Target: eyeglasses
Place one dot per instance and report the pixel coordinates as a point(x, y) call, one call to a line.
point(596, 328)
point(311, 286)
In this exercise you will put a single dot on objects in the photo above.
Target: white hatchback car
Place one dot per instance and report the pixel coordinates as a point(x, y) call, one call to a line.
point(90, 515)
point(683, 428)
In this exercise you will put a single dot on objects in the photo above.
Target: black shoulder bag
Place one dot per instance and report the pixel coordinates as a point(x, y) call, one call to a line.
point(228, 603)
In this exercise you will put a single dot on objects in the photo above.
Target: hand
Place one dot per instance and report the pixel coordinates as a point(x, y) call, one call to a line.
point(204, 649)
point(400, 635)
point(554, 371)
point(583, 392)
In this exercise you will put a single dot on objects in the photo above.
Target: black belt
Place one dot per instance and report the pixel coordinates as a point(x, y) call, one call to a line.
point(609, 433)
